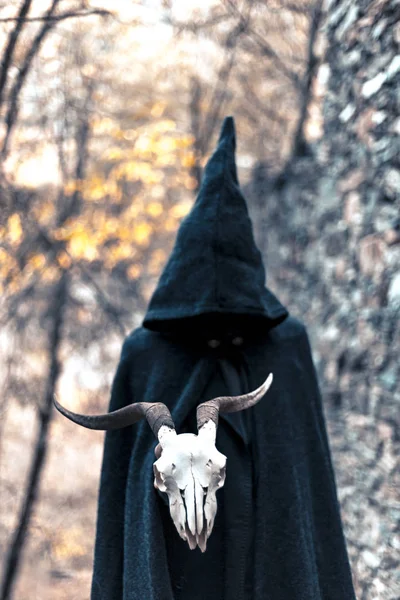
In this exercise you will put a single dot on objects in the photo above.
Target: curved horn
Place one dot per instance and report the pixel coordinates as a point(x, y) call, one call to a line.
point(210, 410)
point(156, 413)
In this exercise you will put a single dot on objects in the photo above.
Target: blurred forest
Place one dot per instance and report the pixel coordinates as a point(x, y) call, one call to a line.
point(108, 111)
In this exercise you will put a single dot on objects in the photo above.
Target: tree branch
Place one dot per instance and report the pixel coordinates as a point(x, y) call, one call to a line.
point(279, 64)
point(254, 100)
point(61, 17)
point(193, 26)
point(109, 309)
point(266, 48)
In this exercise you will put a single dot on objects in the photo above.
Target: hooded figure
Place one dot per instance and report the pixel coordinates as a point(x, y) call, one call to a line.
point(213, 329)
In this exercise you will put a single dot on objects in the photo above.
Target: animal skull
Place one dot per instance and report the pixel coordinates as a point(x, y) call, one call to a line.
point(190, 470)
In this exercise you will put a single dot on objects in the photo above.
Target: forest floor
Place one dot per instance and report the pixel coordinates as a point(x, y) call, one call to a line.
point(57, 561)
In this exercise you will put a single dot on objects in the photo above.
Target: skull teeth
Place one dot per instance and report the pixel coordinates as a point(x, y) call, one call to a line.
point(202, 539)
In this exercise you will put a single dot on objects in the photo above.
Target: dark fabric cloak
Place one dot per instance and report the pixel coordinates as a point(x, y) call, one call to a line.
point(277, 533)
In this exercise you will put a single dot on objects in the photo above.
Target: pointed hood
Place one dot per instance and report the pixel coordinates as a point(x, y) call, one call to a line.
point(215, 270)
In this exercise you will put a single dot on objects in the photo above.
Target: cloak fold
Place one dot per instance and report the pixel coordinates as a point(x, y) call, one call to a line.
point(277, 533)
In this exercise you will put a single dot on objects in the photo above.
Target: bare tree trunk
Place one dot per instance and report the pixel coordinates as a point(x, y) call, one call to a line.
point(13, 104)
point(306, 87)
point(299, 145)
point(195, 126)
point(82, 138)
point(13, 560)
point(10, 47)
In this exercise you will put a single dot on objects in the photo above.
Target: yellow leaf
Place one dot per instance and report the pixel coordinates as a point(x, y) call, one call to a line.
point(8, 264)
point(123, 233)
point(185, 141)
point(13, 286)
point(190, 183)
point(165, 160)
point(52, 273)
point(78, 243)
point(181, 210)
point(61, 233)
point(94, 188)
point(82, 243)
point(14, 228)
point(75, 185)
point(188, 160)
point(133, 272)
point(157, 191)
point(118, 134)
point(102, 126)
point(167, 144)
point(111, 225)
point(114, 154)
point(63, 260)
point(170, 225)
point(143, 144)
point(141, 233)
point(158, 109)
point(164, 126)
point(69, 543)
point(37, 261)
point(130, 134)
point(120, 252)
point(135, 209)
point(44, 212)
point(4, 257)
point(88, 70)
point(154, 209)
point(157, 260)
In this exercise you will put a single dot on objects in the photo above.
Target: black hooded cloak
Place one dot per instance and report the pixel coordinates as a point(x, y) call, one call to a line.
point(277, 533)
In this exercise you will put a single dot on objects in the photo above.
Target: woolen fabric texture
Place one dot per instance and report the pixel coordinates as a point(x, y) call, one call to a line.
point(277, 533)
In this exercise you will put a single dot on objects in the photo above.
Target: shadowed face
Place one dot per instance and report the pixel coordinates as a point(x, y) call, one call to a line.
point(225, 328)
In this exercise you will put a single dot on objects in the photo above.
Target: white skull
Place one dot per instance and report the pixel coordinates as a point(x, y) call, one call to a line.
point(190, 470)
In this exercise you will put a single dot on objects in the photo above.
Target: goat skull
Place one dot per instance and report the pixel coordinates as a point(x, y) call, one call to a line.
point(189, 468)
